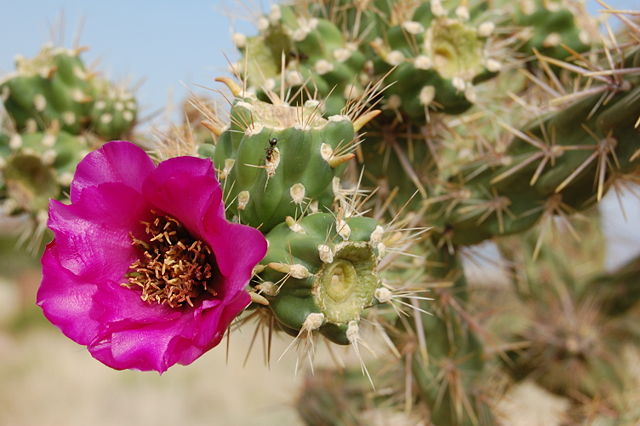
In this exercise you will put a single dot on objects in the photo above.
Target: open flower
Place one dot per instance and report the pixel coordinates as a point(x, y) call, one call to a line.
point(144, 269)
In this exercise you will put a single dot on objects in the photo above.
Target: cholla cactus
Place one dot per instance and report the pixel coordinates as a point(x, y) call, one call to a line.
point(57, 111)
point(470, 152)
point(56, 89)
point(37, 167)
point(369, 129)
point(327, 269)
point(280, 160)
point(321, 274)
point(574, 318)
point(417, 47)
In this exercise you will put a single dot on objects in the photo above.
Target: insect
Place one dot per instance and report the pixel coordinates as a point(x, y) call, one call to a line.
point(270, 149)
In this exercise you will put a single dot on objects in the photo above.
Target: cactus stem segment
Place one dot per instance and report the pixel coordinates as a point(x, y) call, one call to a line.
point(601, 153)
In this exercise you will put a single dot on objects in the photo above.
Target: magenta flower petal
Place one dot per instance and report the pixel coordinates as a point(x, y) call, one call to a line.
point(185, 188)
point(118, 200)
point(237, 248)
point(203, 213)
point(121, 162)
point(151, 347)
point(219, 319)
point(67, 300)
point(92, 234)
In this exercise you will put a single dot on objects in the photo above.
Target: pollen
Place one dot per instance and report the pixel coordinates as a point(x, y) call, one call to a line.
point(175, 268)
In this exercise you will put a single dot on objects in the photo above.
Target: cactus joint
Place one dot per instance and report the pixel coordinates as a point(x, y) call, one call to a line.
point(346, 286)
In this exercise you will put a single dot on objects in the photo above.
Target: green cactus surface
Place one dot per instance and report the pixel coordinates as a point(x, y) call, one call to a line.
point(276, 160)
point(321, 273)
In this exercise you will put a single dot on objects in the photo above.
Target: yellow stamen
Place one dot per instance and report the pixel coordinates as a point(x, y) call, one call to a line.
point(174, 268)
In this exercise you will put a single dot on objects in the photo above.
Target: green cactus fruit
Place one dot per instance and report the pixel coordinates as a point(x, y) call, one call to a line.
point(277, 160)
point(321, 274)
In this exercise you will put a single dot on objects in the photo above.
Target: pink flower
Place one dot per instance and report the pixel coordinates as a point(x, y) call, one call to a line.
point(138, 231)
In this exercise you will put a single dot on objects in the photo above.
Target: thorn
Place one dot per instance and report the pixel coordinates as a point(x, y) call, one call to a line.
point(293, 225)
point(80, 49)
point(337, 160)
point(232, 85)
point(383, 295)
point(52, 70)
point(256, 298)
point(361, 121)
point(296, 271)
point(217, 131)
point(258, 269)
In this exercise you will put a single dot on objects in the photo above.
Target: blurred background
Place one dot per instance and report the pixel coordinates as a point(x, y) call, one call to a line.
point(165, 49)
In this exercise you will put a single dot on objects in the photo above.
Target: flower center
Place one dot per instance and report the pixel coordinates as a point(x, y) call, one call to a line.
point(174, 268)
point(346, 286)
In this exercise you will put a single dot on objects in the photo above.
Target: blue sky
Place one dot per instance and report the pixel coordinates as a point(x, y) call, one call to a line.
point(164, 42)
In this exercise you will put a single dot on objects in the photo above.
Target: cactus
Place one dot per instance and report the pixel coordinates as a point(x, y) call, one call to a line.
point(550, 28)
point(573, 336)
point(420, 47)
point(332, 398)
point(56, 89)
point(278, 160)
point(321, 274)
point(114, 111)
point(37, 167)
point(475, 121)
point(468, 160)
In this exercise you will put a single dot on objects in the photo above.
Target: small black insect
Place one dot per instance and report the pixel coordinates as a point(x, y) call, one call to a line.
point(299, 56)
point(272, 146)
